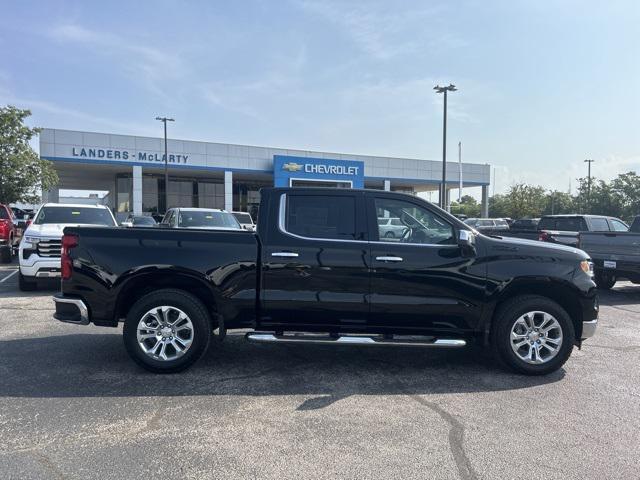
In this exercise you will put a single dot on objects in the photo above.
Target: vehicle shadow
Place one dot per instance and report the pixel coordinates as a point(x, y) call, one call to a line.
point(96, 365)
point(622, 294)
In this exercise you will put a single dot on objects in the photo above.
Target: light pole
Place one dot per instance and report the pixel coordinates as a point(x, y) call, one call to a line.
point(443, 194)
point(589, 162)
point(460, 171)
point(166, 160)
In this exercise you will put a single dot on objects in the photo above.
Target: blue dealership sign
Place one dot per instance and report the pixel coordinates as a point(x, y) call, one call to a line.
point(287, 168)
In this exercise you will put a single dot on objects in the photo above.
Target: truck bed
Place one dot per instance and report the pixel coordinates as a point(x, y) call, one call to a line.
point(227, 260)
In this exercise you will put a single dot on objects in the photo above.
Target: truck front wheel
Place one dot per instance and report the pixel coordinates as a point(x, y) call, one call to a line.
point(167, 331)
point(26, 285)
point(532, 335)
point(604, 281)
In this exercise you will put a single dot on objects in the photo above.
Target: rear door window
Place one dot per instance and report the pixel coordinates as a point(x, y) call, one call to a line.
point(322, 216)
point(599, 225)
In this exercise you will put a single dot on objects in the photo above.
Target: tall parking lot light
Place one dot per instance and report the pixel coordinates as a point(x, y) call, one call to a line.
point(166, 160)
point(589, 162)
point(443, 195)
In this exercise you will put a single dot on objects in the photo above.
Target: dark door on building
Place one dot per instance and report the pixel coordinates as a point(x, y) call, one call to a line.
point(419, 279)
point(316, 271)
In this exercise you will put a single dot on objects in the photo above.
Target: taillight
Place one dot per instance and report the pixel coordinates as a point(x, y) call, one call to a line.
point(27, 224)
point(66, 265)
point(543, 236)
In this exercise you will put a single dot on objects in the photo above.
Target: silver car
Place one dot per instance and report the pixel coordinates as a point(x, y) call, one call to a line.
point(391, 227)
point(203, 218)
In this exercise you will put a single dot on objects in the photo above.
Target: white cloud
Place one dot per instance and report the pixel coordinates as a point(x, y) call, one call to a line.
point(152, 67)
point(381, 30)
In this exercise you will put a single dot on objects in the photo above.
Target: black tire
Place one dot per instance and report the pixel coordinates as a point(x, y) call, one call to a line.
point(183, 301)
point(604, 281)
point(6, 254)
point(26, 285)
point(390, 235)
point(504, 320)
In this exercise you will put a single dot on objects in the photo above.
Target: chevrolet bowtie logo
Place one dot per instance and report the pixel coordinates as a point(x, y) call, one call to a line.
point(292, 167)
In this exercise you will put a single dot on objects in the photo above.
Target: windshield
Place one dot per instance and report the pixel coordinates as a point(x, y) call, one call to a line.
point(210, 219)
point(243, 217)
point(75, 216)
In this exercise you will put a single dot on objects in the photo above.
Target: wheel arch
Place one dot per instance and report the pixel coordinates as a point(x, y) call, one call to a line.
point(563, 293)
point(141, 284)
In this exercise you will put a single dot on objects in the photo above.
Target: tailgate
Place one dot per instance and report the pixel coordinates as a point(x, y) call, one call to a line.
point(613, 246)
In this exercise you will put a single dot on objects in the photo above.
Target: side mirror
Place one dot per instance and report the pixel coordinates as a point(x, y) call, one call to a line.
point(467, 242)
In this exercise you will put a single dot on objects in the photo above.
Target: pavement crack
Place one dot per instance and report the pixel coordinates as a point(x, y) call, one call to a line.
point(48, 465)
point(456, 439)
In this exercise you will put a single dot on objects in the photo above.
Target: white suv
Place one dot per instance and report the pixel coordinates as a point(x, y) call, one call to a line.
point(41, 243)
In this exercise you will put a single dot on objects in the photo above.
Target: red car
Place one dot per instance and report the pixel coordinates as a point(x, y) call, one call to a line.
point(9, 234)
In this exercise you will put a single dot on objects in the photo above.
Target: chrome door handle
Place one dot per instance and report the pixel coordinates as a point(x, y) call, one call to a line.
point(284, 254)
point(389, 259)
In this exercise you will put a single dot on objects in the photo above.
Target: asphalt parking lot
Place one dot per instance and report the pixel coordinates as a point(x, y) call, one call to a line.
point(73, 406)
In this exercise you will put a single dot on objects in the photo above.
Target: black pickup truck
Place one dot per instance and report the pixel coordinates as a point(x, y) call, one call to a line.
point(317, 270)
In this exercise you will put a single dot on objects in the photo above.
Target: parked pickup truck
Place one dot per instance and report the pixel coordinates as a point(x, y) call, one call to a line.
point(10, 233)
point(318, 270)
point(565, 229)
point(616, 255)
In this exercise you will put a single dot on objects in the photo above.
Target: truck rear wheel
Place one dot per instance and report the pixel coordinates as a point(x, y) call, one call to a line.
point(532, 335)
point(167, 331)
point(604, 281)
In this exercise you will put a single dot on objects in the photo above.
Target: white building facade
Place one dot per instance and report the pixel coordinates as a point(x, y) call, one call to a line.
point(229, 176)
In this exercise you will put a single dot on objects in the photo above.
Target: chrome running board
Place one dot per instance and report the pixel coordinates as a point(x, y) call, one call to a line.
point(398, 341)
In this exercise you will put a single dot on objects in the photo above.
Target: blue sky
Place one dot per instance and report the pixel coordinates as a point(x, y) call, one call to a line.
point(543, 84)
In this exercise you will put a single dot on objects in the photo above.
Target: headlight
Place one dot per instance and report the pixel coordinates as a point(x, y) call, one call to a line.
point(587, 267)
point(32, 240)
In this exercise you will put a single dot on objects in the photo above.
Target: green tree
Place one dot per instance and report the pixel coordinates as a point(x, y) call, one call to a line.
point(626, 189)
point(558, 202)
point(22, 172)
point(468, 206)
point(603, 199)
point(498, 206)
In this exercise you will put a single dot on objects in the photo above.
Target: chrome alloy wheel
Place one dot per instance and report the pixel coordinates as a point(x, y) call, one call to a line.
point(165, 333)
point(536, 337)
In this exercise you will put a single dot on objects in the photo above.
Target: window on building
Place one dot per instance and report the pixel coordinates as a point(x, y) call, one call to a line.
point(210, 195)
point(180, 193)
point(124, 188)
point(322, 216)
point(150, 194)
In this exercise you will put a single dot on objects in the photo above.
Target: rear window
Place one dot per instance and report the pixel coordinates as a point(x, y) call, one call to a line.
point(568, 224)
point(243, 217)
point(485, 223)
point(502, 223)
point(75, 216)
point(144, 221)
point(3, 214)
point(322, 216)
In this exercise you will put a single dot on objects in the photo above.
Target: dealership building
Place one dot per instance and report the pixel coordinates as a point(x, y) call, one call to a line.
point(229, 176)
